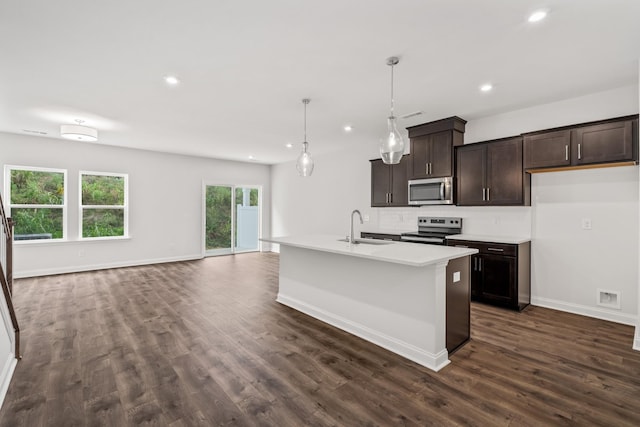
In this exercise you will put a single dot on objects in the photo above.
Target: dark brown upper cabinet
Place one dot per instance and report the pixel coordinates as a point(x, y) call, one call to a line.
point(389, 183)
point(582, 146)
point(432, 147)
point(491, 173)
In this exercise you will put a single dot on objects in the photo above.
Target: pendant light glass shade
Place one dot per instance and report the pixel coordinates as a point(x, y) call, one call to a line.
point(392, 145)
point(305, 162)
point(392, 148)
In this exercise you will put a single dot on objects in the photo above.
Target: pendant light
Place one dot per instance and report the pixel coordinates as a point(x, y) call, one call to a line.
point(305, 162)
point(78, 132)
point(392, 145)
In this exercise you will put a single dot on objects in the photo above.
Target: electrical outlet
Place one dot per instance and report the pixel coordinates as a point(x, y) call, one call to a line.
point(586, 223)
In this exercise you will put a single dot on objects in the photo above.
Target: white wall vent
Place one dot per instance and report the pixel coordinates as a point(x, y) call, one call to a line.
point(609, 299)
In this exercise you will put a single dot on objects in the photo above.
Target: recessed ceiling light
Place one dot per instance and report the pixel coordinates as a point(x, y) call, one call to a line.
point(171, 80)
point(251, 158)
point(538, 15)
point(486, 87)
point(289, 145)
point(348, 128)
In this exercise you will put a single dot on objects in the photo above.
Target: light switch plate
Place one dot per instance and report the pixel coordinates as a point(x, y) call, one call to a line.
point(456, 276)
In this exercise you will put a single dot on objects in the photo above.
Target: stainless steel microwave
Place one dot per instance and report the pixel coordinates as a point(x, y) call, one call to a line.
point(432, 191)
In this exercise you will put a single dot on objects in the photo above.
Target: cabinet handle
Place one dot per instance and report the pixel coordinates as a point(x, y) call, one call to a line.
point(426, 168)
point(495, 249)
point(430, 168)
point(488, 196)
point(566, 152)
point(480, 264)
point(579, 152)
point(390, 197)
point(484, 194)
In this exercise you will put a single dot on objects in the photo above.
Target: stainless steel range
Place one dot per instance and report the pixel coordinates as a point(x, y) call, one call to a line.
point(434, 230)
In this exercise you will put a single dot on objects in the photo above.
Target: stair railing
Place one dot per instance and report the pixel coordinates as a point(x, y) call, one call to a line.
point(6, 271)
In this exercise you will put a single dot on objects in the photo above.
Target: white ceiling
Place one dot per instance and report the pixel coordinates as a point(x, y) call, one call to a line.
point(245, 66)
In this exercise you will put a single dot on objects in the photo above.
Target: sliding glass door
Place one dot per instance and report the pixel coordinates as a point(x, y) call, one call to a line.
point(232, 219)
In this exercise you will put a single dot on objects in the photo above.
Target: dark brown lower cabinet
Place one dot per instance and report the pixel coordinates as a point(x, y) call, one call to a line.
point(500, 273)
point(458, 300)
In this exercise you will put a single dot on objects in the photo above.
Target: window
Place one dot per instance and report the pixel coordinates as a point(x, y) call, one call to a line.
point(103, 210)
point(37, 202)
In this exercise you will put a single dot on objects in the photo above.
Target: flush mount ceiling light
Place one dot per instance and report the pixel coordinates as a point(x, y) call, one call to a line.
point(392, 145)
point(305, 162)
point(537, 16)
point(78, 132)
point(348, 128)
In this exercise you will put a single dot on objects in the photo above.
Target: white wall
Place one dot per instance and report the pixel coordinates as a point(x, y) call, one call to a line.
point(165, 198)
point(636, 343)
point(321, 204)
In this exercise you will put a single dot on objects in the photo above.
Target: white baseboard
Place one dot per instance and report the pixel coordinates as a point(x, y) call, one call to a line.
point(6, 375)
point(432, 361)
point(105, 266)
point(598, 313)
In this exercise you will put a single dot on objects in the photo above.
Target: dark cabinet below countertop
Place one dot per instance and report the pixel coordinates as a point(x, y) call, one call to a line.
point(500, 272)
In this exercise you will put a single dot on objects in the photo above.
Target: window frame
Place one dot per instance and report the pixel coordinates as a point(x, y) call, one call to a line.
point(124, 207)
point(9, 205)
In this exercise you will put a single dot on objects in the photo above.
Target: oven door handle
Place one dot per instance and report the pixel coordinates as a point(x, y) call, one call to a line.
point(442, 191)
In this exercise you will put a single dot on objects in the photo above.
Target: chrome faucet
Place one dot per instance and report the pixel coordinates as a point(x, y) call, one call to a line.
point(351, 238)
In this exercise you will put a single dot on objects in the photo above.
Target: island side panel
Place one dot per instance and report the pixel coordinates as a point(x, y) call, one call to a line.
point(401, 308)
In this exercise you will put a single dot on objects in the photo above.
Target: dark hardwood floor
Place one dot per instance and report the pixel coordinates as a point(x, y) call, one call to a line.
point(205, 343)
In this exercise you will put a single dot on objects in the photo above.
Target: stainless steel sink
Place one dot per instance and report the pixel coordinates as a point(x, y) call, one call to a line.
point(367, 241)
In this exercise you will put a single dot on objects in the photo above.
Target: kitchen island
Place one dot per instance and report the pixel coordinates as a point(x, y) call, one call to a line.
point(392, 294)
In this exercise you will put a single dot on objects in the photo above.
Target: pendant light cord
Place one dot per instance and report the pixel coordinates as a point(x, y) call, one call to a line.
point(392, 65)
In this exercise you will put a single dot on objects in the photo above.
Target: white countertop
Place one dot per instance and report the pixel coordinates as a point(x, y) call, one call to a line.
point(514, 240)
point(396, 252)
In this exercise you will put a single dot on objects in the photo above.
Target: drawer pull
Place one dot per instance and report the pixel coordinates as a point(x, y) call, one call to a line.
point(495, 249)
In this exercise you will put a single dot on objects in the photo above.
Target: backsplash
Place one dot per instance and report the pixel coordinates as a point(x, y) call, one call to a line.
point(497, 221)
